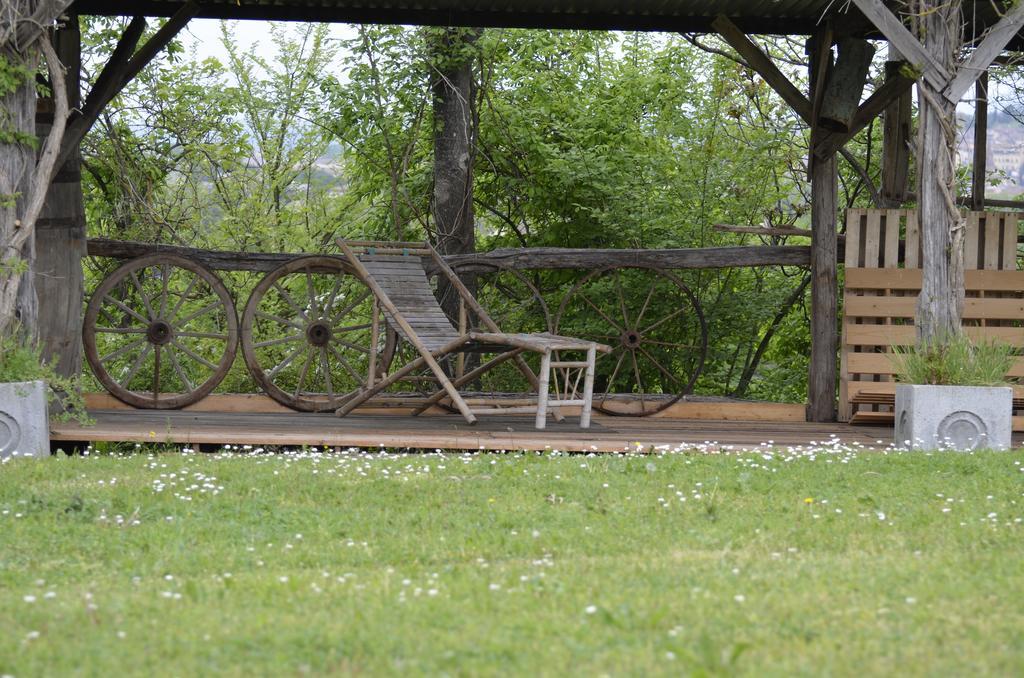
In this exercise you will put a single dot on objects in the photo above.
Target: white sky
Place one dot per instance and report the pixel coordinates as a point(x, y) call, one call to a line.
point(204, 36)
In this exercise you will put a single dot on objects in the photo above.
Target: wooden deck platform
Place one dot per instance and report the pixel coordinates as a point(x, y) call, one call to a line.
point(494, 432)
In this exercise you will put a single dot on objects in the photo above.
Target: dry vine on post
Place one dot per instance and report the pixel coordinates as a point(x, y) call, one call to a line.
point(25, 169)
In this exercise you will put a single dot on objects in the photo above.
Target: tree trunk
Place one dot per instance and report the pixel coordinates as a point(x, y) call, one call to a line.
point(454, 144)
point(940, 304)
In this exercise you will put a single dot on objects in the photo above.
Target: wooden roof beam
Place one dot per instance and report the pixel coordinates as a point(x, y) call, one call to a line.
point(985, 53)
point(764, 67)
point(122, 67)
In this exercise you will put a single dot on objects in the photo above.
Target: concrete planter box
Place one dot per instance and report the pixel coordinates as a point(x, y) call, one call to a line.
point(961, 418)
point(24, 421)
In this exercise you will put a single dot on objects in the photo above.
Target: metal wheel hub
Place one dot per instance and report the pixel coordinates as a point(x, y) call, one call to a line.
point(159, 333)
point(631, 338)
point(318, 333)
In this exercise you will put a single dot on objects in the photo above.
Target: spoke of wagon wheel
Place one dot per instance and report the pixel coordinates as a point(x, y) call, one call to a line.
point(354, 347)
point(279, 320)
point(600, 312)
point(669, 343)
point(643, 309)
point(639, 383)
point(333, 296)
point(124, 349)
point(121, 330)
point(311, 295)
point(327, 372)
point(345, 311)
point(303, 372)
point(135, 368)
point(291, 302)
point(287, 361)
point(142, 295)
point(203, 335)
point(279, 340)
point(126, 309)
point(156, 373)
point(659, 366)
point(664, 320)
point(622, 299)
point(198, 358)
point(611, 380)
point(344, 363)
point(165, 275)
point(212, 306)
point(351, 328)
point(184, 296)
point(177, 369)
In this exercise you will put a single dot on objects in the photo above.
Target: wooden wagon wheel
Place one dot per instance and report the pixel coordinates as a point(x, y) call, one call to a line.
point(657, 331)
point(307, 331)
point(514, 302)
point(160, 332)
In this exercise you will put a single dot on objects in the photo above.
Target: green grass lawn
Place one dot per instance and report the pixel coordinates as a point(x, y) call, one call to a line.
point(833, 563)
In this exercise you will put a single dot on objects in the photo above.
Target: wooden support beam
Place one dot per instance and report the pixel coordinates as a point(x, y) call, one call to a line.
point(845, 83)
point(911, 48)
point(122, 68)
point(764, 67)
point(978, 171)
point(60, 229)
point(108, 83)
point(821, 71)
point(882, 97)
point(821, 377)
point(994, 42)
point(763, 230)
point(896, 139)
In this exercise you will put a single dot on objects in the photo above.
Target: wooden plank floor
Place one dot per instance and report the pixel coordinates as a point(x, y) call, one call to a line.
point(449, 432)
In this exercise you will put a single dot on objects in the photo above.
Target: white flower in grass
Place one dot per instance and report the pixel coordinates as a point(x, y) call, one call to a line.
point(29, 599)
point(591, 609)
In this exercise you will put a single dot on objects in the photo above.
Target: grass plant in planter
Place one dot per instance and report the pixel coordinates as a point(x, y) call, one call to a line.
point(954, 394)
point(27, 385)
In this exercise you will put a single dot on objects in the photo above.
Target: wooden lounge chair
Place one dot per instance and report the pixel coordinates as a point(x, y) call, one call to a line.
point(396, 273)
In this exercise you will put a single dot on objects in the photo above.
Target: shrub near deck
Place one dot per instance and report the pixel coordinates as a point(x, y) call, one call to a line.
point(825, 563)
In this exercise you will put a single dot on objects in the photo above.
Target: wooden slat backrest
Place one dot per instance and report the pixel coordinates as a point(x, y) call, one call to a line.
point(404, 279)
point(883, 279)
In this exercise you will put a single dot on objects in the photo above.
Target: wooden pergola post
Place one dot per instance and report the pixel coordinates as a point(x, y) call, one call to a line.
point(825, 144)
point(821, 377)
point(979, 168)
point(896, 124)
point(60, 229)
